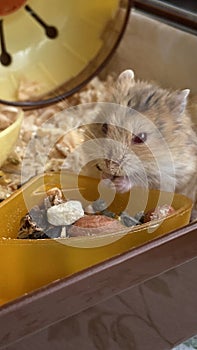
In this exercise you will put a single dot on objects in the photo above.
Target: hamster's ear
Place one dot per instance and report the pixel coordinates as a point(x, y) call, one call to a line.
point(178, 101)
point(125, 80)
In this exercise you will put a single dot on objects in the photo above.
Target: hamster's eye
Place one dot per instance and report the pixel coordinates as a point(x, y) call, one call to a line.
point(105, 128)
point(139, 138)
point(129, 102)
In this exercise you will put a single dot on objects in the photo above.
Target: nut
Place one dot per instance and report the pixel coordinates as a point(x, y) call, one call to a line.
point(159, 212)
point(91, 225)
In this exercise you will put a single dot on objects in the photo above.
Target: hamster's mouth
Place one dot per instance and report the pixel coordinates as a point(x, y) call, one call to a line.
point(121, 183)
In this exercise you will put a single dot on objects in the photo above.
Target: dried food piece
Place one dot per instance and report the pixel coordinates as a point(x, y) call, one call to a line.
point(55, 196)
point(65, 213)
point(29, 229)
point(91, 225)
point(159, 212)
point(110, 214)
point(63, 232)
point(89, 209)
point(35, 226)
point(128, 220)
point(140, 217)
point(53, 231)
point(39, 217)
point(99, 205)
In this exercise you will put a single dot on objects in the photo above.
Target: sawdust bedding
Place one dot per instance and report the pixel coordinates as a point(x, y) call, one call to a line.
point(44, 144)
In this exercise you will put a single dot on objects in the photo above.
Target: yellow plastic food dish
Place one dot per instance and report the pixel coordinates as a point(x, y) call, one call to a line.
point(29, 264)
point(57, 44)
point(9, 136)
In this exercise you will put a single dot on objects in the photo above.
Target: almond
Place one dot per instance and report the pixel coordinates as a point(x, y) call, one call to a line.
point(91, 225)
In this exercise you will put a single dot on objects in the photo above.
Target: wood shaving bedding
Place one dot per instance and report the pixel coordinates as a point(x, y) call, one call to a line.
point(43, 144)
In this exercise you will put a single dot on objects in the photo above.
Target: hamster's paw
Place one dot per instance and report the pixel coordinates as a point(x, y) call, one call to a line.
point(122, 184)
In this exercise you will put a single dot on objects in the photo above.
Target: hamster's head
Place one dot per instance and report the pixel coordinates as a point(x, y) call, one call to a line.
point(144, 135)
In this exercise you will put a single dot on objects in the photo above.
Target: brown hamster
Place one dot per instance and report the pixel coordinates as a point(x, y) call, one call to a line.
point(149, 138)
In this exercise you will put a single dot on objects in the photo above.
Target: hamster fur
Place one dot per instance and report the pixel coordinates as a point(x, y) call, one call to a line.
point(151, 139)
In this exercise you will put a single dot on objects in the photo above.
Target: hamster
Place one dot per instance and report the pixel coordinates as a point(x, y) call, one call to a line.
point(149, 138)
